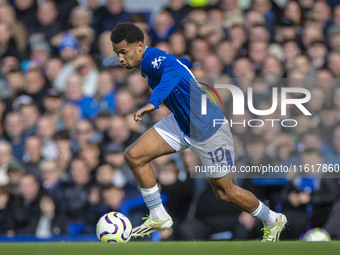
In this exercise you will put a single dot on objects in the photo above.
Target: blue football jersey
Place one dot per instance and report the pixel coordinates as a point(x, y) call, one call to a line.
point(173, 84)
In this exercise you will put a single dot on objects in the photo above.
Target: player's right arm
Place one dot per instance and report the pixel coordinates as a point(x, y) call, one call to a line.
point(145, 109)
point(171, 72)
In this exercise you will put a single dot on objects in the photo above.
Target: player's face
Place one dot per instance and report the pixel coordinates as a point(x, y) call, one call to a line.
point(129, 54)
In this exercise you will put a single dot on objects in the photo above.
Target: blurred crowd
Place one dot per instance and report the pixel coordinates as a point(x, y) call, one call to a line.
point(66, 107)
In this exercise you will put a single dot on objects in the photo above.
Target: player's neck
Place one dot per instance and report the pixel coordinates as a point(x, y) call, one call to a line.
point(141, 57)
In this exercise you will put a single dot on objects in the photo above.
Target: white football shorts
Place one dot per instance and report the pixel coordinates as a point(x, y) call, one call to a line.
point(216, 153)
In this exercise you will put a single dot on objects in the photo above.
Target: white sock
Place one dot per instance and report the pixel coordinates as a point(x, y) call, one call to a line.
point(271, 221)
point(154, 203)
point(158, 212)
point(146, 192)
point(264, 214)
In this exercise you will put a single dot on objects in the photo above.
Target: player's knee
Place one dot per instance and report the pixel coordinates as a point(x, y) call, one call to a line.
point(129, 156)
point(132, 157)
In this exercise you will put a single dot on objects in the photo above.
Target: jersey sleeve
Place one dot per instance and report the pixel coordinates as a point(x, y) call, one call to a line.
point(171, 72)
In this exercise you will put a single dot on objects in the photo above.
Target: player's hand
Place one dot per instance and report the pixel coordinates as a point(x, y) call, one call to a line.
point(145, 109)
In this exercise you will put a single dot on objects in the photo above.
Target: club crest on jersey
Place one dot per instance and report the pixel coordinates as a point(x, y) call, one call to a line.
point(156, 63)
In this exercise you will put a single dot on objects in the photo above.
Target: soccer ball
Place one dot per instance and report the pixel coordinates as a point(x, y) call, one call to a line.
point(317, 235)
point(114, 227)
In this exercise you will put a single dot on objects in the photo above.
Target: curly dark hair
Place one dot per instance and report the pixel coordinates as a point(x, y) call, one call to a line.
point(127, 31)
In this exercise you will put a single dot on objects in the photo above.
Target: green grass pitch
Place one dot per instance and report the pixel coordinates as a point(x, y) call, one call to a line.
point(177, 248)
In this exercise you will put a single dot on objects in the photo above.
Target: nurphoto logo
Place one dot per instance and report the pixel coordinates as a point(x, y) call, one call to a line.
point(280, 100)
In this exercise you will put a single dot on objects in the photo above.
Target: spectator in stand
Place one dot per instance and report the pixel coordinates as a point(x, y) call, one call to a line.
point(325, 79)
point(113, 196)
point(85, 67)
point(84, 35)
point(259, 32)
point(232, 13)
point(272, 70)
point(26, 12)
point(178, 45)
point(178, 10)
point(328, 120)
point(52, 180)
point(102, 124)
point(291, 50)
point(269, 11)
point(336, 101)
point(63, 142)
point(15, 84)
point(80, 17)
point(30, 114)
point(253, 18)
point(119, 131)
point(108, 16)
point(106, 93)
point(46, 130)
point(322, 8)
point(18, 30)
point(77, 191)
point(53, 104)
point(51, 69)
point(5, 160)
point(287, 30)
point(51, 221)
point(318, 97)
point(74, 95)
point(14, 134)
point(336, 15)
point(6, 219)
point(35, 86)
point(96, 208)
point(64, 10)
point(214, 68)
point(7, 46)
point(258, 52)
point(294, 12)
point(332, 226)
point(47, 23)
point(239, 39)
point(138, 87)
point(107, 58)
point(70, 115)
point(32, 155)
point(15, 172)
point(317, 52)
point(308, 197)
point(40, 53)
point(85, 133)
point(125, 102)
point(108, 175)
point(333, 34)
point(68, 50)
point(199, 49)
point(114, 155)
point(226, 54)
point(90, 153)
point(25, 207)
point(164, 25)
